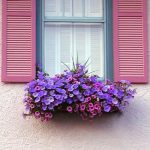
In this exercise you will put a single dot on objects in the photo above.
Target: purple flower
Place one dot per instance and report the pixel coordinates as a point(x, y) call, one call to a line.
point(48, 86)
point(65, 96)
point(71, 89)
point(40, 75)
point(114, 101)
point(58, 96)
point(115, 91)
point(120, 94)
point(46, 100)
point(41, 93)
point(75, 86)
point(105, 88)
point(93, 79)
point(41, 83)
point(87, 93)
point(44, 107)
point(107, 108)
point(63, 91)
point(71, 95)
point(59, 90)
point(51, 107)
point(37, 99)
point(81, 99)
point(84, 86)
point(69, 100)
point(125, 82)
point(75, 92)
point(35, 94)
point(32, 83)
point(27, 109)
point(51, 99)
point(52, 93)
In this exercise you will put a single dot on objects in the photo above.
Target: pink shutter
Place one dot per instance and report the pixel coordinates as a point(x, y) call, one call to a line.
point(18, 40)
point(130, 40)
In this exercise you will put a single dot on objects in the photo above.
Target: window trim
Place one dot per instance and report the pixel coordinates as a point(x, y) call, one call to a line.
point(107, 20)
point(109, 39)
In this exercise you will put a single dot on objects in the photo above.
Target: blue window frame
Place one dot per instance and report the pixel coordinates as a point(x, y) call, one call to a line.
point(107, 20)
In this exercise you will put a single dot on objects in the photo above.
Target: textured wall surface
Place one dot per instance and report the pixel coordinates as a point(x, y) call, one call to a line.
point(128, 131)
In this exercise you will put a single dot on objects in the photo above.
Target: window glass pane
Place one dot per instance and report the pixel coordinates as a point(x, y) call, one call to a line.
point(64, 40)
point(93, 8)
point(78, 10)
point(74, 8)
point(50, 48)
point(67, 8)
point(53, 8)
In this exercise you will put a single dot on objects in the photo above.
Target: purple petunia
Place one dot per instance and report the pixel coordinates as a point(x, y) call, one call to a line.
point(75, 91)
point(69, 100)
point(107, 108)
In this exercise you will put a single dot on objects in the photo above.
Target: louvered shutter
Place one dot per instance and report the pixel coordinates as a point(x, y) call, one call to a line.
point(18, 36)
point(130, 40)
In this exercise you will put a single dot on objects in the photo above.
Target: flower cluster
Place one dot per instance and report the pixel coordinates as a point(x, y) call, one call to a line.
point(75, 91)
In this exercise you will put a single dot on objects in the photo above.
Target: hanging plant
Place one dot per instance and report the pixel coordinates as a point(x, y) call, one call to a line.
point(75, 91)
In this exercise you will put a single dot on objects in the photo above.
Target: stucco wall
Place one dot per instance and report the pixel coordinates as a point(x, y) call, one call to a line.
point(129, 131)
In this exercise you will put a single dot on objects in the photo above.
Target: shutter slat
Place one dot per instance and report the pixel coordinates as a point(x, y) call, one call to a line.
point(130, 40)
point(18, 40)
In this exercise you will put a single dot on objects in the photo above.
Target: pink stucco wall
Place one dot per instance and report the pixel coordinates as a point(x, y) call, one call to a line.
point(129, 131)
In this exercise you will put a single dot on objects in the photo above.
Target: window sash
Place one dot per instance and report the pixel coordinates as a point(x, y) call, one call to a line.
point(75, 11)
point(107, 19)
point(66, 39)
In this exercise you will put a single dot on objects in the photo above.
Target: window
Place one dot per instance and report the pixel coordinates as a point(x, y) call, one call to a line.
point(15, 70)
point(73, 27)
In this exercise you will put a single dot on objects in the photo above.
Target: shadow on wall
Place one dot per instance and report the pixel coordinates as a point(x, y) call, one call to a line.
point(70, 122)
point(132, 117)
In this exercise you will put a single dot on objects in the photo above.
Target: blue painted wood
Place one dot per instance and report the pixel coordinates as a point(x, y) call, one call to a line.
point(109, 39)
point(39, 32)
point(74, 19)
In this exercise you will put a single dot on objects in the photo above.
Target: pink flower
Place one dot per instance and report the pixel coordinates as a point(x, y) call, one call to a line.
point(91, 109)
point(90, 104)
point(32, 106)
point(48, 115)
point(37, 88)
point(94, 113)
point(37, 114)
point(75, 110)
point(70, 79)
point(94, 96)
point(82, 107)
point(87, 99)
point(96, 106)
point(69, 109)
point(77, 106)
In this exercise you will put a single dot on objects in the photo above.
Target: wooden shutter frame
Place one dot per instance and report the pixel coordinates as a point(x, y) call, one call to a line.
point(133, 79)
point(6, 78)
